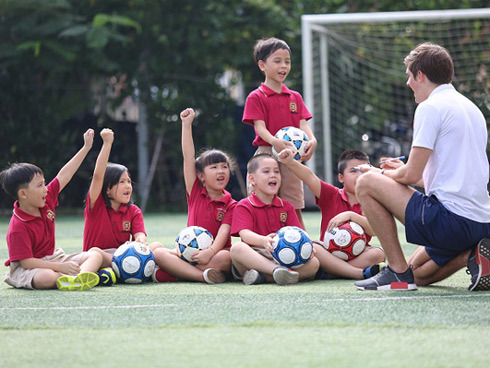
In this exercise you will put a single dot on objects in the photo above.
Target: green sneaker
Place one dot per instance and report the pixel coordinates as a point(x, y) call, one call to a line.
point(83, 281)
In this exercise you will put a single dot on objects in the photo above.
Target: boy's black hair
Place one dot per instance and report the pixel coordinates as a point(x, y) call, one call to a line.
point(112, 175)
point(352, 154)
point(266, 46)
point(17, 176)
point(213, 156)
point(253, 163)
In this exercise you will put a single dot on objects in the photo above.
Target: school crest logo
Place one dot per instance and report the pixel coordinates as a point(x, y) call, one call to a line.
point(50, 215)
point(220, 215)
point(126, 225)
point(293, 107)
point(284, 216)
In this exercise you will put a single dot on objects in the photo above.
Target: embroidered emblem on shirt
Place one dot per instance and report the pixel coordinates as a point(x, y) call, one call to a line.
point(284, 216)
point(50, 215)
point(220, 215)
point(126, 225)
point(293, 107)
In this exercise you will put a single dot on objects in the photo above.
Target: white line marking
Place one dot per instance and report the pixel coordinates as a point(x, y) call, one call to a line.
point(92, 307)
point(410, 297)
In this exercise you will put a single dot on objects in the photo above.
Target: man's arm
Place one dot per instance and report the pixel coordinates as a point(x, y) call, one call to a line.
point(411, 173)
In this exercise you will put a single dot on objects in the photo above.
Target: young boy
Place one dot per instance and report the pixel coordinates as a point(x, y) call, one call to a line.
point(256, 219)
point(34, 262)
point(339, 206)
point(272, 107)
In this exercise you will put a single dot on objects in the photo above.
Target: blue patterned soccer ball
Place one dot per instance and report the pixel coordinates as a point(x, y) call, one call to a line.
point(292, 247)
point(133, 262)
point(294, 135)
point(191, 240)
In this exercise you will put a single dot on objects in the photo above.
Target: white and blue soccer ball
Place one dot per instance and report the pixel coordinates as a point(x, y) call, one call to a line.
point(192, 239)
point(294, 135)
point(133, 262)
point(292, 247)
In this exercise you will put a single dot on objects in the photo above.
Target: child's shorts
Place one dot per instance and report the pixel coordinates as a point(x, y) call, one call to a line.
point(443, 233)
point(291, 187)
point(263, 252)
point(20, 277)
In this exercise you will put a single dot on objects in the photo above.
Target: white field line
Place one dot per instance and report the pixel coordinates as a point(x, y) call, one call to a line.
point(411, 297)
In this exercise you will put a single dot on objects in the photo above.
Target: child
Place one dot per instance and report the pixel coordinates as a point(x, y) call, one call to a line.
point(210, 206)
point(339, 206)
point(273, 106)
point(34, 261)
point(110, 217)
point(256, 219)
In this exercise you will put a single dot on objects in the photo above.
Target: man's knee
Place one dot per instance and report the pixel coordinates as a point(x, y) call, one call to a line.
point(365, 183)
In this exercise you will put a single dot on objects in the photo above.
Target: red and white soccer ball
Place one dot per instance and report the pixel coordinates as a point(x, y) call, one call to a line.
point(346, 241)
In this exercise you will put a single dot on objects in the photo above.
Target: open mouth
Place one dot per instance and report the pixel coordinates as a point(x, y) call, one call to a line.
point(272, 183)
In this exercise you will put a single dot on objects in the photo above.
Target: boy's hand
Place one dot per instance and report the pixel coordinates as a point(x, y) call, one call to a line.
point(203, 257)
point(187, 116)
point(107, 135)
point(88, 138)
point(286, 156)
point(70, 268)
point(338, 220)
point(267, 242)
point(309, 150)
point(281, 144)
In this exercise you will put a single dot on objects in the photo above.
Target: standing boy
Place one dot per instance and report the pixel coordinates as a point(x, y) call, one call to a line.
point(272, 107)
point(449, 160)
point(34, 262)
point(339, 206)
point(256, 220)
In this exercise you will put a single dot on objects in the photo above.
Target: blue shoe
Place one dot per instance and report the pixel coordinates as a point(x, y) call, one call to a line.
point(373, 270)
point(387, 279)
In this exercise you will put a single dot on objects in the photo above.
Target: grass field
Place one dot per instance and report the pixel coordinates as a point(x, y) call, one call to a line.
point(315, 324)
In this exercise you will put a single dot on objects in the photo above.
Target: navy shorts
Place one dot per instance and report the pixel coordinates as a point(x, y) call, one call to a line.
point(443, 233)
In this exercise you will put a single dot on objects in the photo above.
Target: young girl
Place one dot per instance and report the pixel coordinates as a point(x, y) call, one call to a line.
point(110, 217)
point(210, 206)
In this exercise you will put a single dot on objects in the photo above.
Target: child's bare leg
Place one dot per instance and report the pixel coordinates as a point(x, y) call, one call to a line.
point(155, 245)
point(175, 266)
point(309, 269)
point(245, 258)
point(92, 260)
point(370, 256)
point(221, 261)
point(45, 279)
point(336, 266)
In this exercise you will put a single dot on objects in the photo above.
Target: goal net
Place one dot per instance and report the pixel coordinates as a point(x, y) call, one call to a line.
point(355, 83)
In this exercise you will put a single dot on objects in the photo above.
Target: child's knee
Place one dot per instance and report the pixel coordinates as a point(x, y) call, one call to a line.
point(223, 259)
point(45, 279)
point(238, 249)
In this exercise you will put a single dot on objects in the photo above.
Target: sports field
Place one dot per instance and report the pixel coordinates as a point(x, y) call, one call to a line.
point(315, 324)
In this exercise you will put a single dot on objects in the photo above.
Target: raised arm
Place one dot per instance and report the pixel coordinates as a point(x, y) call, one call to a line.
point(66, 173)
point(107, 136)
point(303, 172)
point(188, 150)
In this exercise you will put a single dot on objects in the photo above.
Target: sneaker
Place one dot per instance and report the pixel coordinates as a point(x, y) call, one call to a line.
point(387, 279)
point(479, 266)
point(107, 277)
point(212, 276)
point(254, 277)
point(81, 282)
point(369, 272)
point(321, 275)
point(160, 275)
point(284, 276)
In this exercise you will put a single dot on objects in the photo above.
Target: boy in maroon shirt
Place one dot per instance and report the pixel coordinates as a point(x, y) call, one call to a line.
point(34, 262)
point(256, 219)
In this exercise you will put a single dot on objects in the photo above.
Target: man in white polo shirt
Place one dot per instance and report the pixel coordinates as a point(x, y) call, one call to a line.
point(448, 159)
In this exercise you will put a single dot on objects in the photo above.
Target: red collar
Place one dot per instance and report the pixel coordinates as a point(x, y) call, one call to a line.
point(269, 92)
point(256, 202)
point(24, 216)
point(345, 198)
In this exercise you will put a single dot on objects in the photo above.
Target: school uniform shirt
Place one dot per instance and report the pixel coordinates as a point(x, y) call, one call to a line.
point(278, 110)
point(209, 213)
point(106, 228)
point(333, 201)
point(31, 236)
point(263, 219)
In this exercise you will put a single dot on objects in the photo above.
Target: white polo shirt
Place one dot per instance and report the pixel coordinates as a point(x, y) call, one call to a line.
point(457, 171)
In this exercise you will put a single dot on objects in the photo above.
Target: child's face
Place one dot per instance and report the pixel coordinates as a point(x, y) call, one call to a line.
point(216, 176)
point(267, 178)
point(277, 66)
point(121, 192)
point(35, 192)
point(350, 175)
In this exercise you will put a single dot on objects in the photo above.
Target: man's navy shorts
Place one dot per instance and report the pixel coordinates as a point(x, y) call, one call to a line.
point(443, 233)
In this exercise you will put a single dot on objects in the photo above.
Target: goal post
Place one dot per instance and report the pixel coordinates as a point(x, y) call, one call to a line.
point(354, 81)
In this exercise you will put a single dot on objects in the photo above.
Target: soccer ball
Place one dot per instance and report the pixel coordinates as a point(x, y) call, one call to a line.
point(107, 277)
point(191, 240)
point(133, 262)
point(292, 247)
point(296, 136)
point(346, 241)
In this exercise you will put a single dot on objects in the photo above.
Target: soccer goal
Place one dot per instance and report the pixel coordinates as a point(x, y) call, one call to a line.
point(355, 83)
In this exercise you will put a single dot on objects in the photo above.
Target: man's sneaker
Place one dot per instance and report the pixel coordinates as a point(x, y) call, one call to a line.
point(81, 282)
point(370, 271)
point(479, 266)
point(284, 276)
point(212, 276)
point(107, 277)
point(254, 277)
point(160, 275)
point(387, 279)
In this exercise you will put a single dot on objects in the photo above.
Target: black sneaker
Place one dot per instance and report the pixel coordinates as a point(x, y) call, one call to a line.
point(254, 277)
point(479, 266)
point(387, 279)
